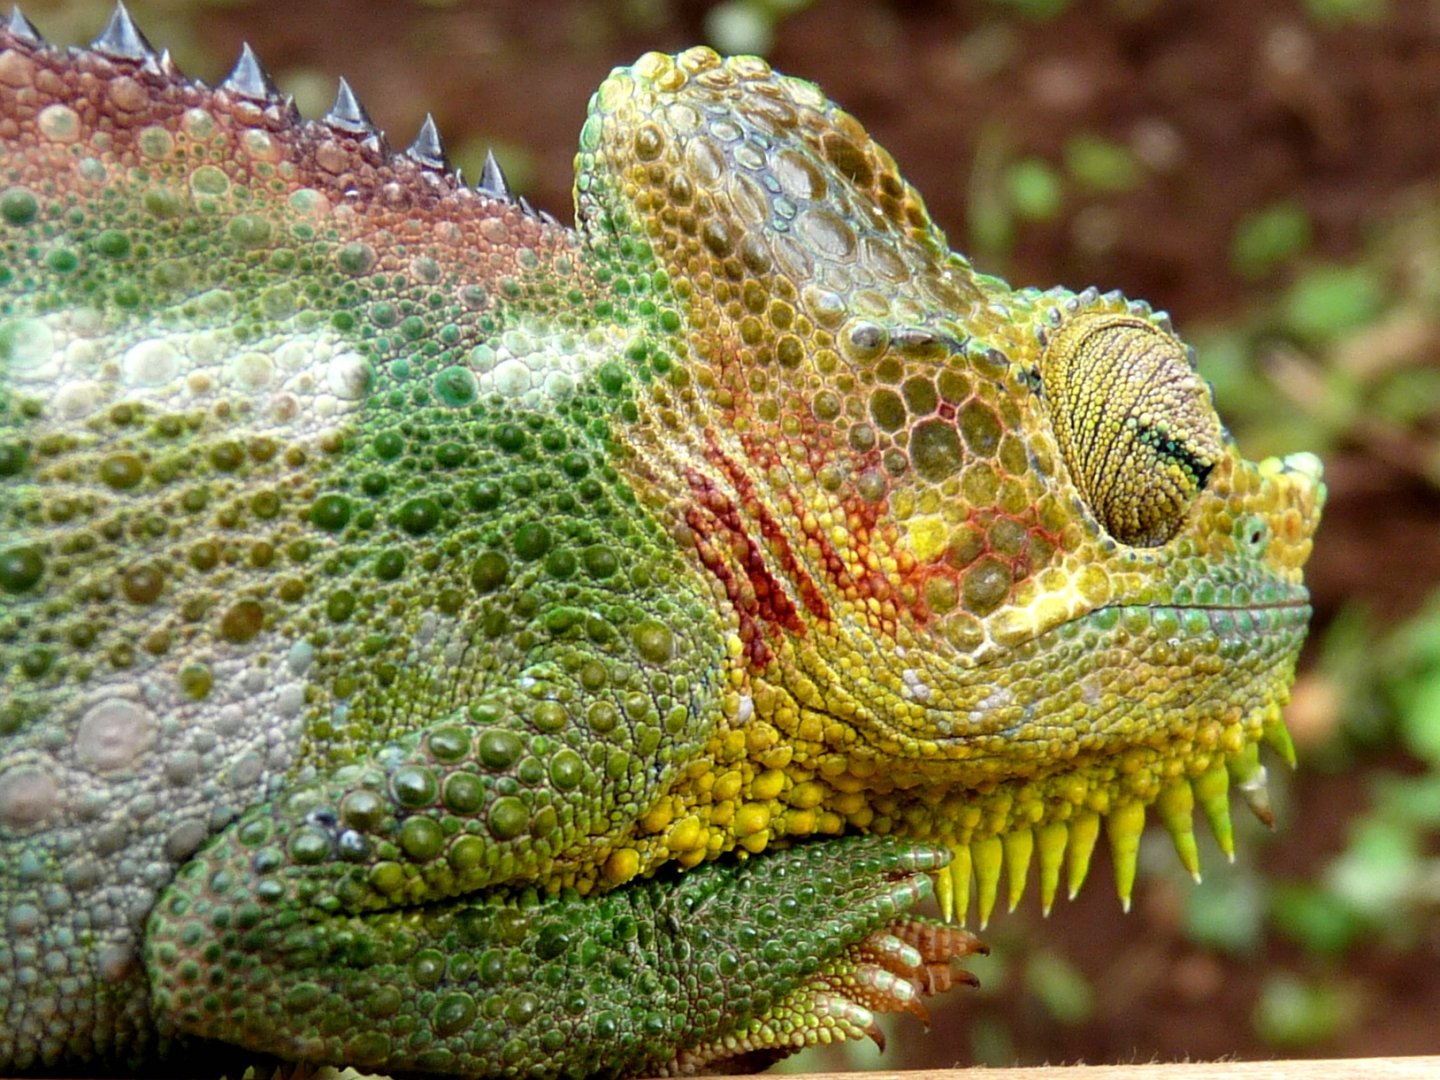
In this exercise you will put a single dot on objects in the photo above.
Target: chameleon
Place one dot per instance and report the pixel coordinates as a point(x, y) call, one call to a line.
point(437, 639)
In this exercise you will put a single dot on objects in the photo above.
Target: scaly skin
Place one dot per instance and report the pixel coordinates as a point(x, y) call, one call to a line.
point(401, 593)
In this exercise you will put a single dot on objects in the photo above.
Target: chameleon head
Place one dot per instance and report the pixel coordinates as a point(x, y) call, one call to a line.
point(1030, 585)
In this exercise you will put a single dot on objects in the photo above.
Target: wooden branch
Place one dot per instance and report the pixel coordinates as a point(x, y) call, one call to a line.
point(1390, 1068)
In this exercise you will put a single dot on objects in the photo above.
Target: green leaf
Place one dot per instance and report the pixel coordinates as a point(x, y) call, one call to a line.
point(1332, 300)
point(1318, 921)
point(1417, 642)
point(988, 210)
point(1060, 987)
point(1408, 396)
point(1101, 165)
point(1227, 360)
point(1375, 874)
point(1420, 718)
point(1342, 12)
point(1268, 237)
point(1226, 910)
point(1409, 800)
point(1036, 190)
point(1295, 1014)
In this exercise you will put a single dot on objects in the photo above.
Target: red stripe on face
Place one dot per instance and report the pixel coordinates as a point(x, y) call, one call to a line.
point(779, 543)
point(731, 554)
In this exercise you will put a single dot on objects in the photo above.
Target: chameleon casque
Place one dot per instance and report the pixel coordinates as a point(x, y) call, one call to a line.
point(436, 639)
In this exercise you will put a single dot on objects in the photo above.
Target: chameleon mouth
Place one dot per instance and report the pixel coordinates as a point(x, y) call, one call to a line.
point(1274, 617)
point(1298, 604)
point(1062, 841)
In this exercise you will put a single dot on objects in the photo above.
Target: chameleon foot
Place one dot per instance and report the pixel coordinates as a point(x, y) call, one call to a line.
point(891, 971)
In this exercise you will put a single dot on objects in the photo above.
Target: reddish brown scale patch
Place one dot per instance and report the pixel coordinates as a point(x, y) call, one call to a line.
point(122, 98)
point(775, 537)
point(728, 551)
point(757, 653)
point(848, 578)
point(827, 554)
point(946, 566)
point(869, 533)
point(815, 445)
point(762, 453)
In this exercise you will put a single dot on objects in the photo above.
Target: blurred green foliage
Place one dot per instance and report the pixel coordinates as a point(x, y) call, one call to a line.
point(748, 26)
point(1036, 191)
point(1293, 1013)
point(1328, 302)
point(1342, 12)
point(1100, 165)
point(1060, 987)
point(1266, 238)
point(1033, 9)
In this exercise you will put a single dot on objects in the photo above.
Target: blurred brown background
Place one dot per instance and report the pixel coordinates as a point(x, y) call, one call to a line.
point(1268, 172)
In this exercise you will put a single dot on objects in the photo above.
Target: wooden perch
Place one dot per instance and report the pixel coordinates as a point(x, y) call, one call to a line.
point(1389, 1068)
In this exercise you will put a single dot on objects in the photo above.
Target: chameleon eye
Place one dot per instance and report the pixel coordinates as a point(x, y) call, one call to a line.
point(1134, 422)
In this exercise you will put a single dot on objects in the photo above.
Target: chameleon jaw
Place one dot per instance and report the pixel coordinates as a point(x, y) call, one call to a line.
point(1132, 753)
point(1065, 847)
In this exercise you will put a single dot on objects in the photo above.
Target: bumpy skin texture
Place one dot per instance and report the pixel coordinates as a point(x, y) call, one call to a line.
point(401, 593)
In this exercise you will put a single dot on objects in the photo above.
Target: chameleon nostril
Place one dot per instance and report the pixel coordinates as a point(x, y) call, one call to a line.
point(1253, 534)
